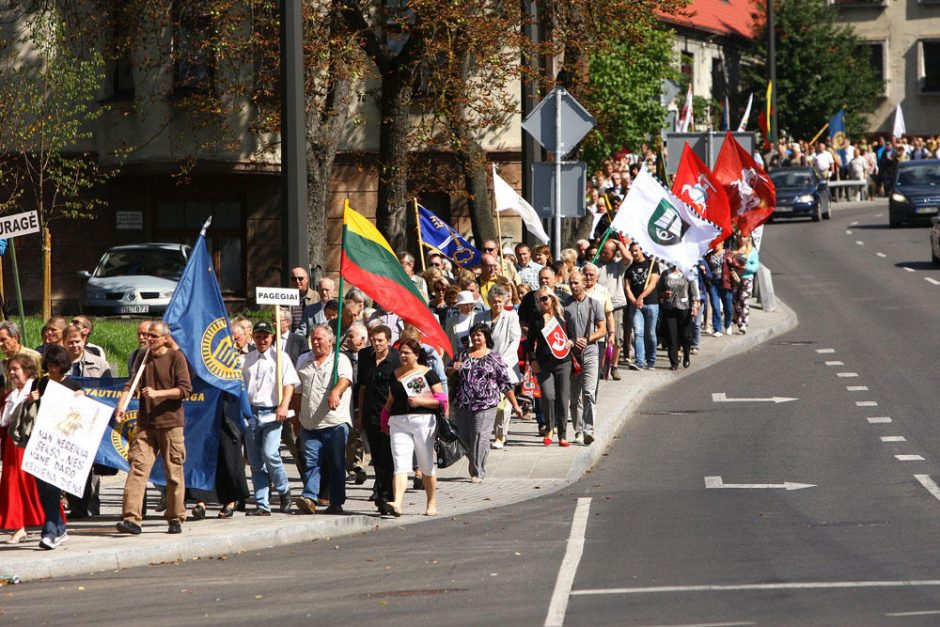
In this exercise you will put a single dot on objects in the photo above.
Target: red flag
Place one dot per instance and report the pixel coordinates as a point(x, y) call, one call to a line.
point(697, 186)
point(751, 194)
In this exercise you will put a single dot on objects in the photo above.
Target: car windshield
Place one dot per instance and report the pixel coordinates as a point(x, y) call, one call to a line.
point(919, 174)
point(792, 179)
point(163, 263)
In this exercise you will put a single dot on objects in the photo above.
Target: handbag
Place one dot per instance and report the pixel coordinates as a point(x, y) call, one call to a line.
point(448, 453)
point(735, 277)
point(530, 383)
point(445, 429)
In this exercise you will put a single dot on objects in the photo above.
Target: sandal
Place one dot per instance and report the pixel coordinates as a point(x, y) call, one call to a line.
point(199, 512)
point(227, 512)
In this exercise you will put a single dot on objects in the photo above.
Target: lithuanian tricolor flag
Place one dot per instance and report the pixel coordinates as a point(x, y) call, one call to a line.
point(369, 263)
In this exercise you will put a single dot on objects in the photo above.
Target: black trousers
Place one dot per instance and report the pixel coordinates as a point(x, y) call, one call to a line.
point(678, 323)
point(380, 446)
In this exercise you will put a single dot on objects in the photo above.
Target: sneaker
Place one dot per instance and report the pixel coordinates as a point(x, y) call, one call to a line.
point(305, 505)
point(588, 439)
point(174, 527)
point(284, 507)
point(361, 476)
point(633, 366)
point(742, 329)
point(476, 480)
point(497, 444)
point(579, 438)
point(129, 526)
point(717, 333)
point(47, 543)
point(563, 443)
point(694, 350)
point(334, 510)
point(258, 511)
point(615, 374)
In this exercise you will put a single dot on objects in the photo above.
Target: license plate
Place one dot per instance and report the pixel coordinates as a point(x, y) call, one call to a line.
point(926, 210)
point(129, 309)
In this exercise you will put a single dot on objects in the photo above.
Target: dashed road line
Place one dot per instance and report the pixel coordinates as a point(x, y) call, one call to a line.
point(856, 388)
point(847, 375)
point(929, 484)
point(834, 363)
point(882, 255)
point(825, 351)
point(906, 269)
point(878, 420)
point(859, 242)
point(854, 223)
point(879, 215)
point(893, 438)
point(931, 280)
point(909, 458)
point(866, 403)
point(921, 613)
point(848, 232)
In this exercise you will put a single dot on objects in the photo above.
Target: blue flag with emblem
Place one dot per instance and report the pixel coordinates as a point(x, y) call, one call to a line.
point(837, 135)
point(437, 233)
point(203, 412)
point(199, 324)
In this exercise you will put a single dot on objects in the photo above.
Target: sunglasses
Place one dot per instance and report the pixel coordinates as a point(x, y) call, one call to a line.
point(489, 249)
point(297, 278)
point(544, 299)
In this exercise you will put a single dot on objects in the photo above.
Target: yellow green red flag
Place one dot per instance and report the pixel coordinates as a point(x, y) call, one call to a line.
point(369, 263)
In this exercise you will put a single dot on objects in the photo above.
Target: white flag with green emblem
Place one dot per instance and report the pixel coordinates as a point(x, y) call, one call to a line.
point(663, 226)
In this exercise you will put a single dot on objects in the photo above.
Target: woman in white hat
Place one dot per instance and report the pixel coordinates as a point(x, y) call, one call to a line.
point(458, 326)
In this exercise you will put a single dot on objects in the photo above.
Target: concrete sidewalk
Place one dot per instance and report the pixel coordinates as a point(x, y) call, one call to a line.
point(523, 470)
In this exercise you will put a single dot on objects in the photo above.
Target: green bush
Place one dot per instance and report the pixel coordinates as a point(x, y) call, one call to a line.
point(117, 336)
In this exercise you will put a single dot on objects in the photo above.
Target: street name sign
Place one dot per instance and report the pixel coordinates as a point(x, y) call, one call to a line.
point(277, 296)
point(19, 224)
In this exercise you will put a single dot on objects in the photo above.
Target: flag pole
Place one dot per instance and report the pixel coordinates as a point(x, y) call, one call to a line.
point(420, 241)
point(499, 238)
point(278, 366)
point(816, 136)
point(339, 317)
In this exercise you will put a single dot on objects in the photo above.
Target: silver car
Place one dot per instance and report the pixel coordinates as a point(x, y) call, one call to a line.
point(135, 279)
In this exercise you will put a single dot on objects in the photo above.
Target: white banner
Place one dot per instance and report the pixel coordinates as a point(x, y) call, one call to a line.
point(65, 438)
point(285, 296)
point(663, 226)
point(19, 224)
point(507, 198)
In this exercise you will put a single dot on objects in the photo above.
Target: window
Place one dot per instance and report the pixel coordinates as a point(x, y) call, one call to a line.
point(719, 81)
point(928, 65)
point(122, 77)
point(179, 220)
point(193, 48)
point(687, 64)
point(864, 4)
point(874, 51)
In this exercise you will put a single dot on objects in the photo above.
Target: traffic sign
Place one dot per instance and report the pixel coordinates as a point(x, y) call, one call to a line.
point(574, 120)
point(573, 179)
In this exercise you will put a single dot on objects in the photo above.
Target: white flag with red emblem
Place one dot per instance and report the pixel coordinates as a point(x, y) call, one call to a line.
point(557, 338)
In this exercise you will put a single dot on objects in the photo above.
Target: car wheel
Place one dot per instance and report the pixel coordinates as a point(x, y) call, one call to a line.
point(893, 222)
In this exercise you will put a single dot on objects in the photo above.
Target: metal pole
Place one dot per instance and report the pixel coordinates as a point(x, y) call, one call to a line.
point(530, 97)
point(772, 71)
point(19, 294)
point(559, 153)
point(293, 147)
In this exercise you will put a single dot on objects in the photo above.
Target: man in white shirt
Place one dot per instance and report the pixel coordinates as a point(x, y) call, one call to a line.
point(325, 419)
point(822, 160)
point(263, 438)
point(528, 270)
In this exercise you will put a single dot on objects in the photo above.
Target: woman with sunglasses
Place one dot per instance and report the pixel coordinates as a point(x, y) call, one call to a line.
point(552, 371)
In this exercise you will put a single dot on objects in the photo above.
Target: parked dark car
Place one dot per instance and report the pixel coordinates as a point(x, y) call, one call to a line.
point(134, 279)
point(800, 193)
point(916, 196)
point(935, 239)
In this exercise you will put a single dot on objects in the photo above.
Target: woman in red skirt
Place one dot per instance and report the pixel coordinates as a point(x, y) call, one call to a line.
point(19, 502)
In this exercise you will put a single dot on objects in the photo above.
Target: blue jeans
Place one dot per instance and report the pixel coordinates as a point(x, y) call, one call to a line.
point(263, 443)
point(644, 333)
point(50, 500)
point(721, 300)
point(325, 446)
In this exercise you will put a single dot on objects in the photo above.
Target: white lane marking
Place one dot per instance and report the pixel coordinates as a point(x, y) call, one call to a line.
point(741, 624)
point(721, 397)
point(929, 484)
point(848, 232)
point(909, 458)
point(854, 223)
point(859, 242)
point(569, 565)
point(909, 269)
point(796, 585)
point(847, 375)
point(903, 614)
point(866, 403)
point(879, 215)
point(878, 420)
point(882, 255)
point(931, 280)
point(825, 351)
point(893, 438)
point(857, 388)
point(834, 363)
point(716, 483)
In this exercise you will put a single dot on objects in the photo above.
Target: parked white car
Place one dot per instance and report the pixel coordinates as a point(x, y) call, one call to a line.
point(134, 279)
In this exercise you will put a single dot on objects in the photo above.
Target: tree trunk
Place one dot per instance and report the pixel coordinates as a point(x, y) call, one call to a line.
point(394, 105)
point(46, 273)
point(472, 160)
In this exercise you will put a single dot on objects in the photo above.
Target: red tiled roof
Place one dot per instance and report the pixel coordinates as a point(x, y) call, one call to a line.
point(723, 17)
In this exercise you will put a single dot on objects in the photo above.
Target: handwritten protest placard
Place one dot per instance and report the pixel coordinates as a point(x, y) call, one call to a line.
point(65, 438)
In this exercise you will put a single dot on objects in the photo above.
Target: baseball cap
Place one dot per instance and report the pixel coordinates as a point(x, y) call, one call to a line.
point(263, 327)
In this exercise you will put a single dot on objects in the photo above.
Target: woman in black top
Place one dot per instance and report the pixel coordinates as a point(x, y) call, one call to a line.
point(415, 397)
point(554, 373)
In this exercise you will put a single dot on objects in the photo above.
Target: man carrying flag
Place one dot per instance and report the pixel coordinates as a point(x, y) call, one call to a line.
point(751, 194)
point(695, 185)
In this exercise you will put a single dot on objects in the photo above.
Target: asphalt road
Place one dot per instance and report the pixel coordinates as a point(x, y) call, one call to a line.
point(642, 540)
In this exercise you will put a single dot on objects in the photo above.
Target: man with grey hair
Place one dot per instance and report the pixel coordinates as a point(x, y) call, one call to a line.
point(325, 419)
point(586, 325)
point(10, 345)
point(611, 273)
point(314, 313)
point(407, 261)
